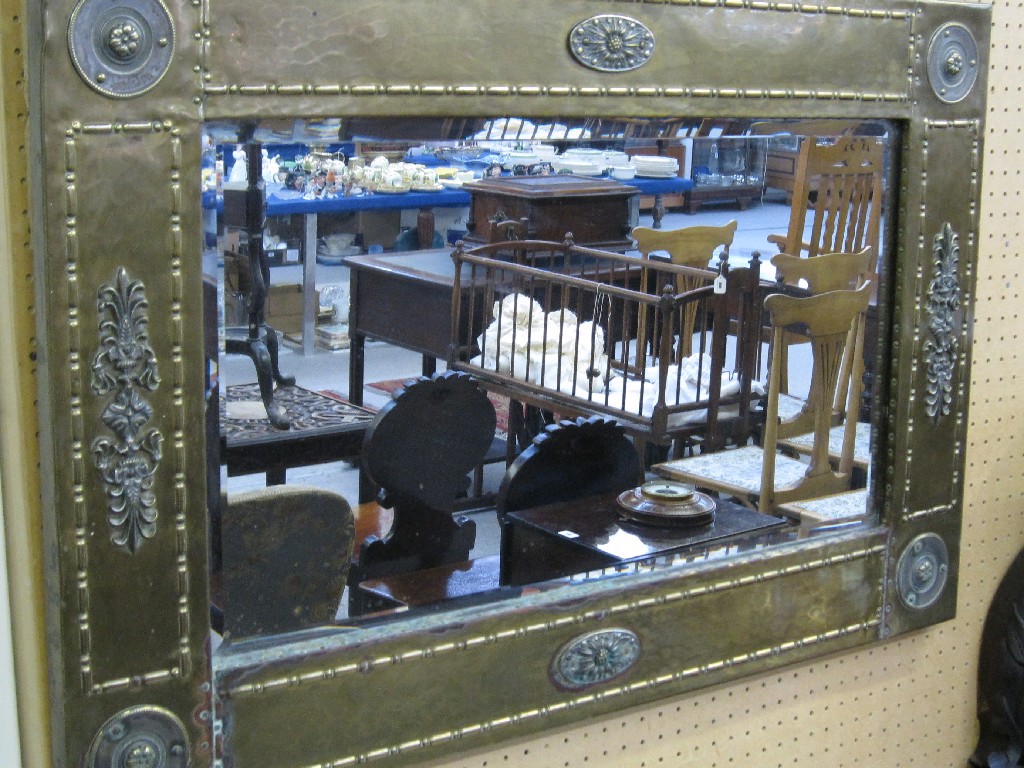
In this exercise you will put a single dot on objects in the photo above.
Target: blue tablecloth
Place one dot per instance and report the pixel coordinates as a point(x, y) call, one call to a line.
point(288, 203)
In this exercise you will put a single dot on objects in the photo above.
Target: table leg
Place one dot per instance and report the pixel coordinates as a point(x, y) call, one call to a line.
point(356, 362)
point(429, 365)
point(425, 228)
point(309, 303)
point(658, 212)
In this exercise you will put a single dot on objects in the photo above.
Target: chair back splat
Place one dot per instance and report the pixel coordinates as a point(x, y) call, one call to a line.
point(688, 247)
point(838, 193)
point(827, 320)
point(287, 553)
point(420, 450)
point(827, 272)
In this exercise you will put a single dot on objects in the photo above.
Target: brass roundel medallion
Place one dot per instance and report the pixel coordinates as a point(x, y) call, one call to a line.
point(121, 48)
point(611, 43)
point(952, 62)
point(595, 657)
point(922, 571)
point(140, 737)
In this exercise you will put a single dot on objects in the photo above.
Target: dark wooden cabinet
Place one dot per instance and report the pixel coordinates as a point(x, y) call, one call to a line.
point(598, 212)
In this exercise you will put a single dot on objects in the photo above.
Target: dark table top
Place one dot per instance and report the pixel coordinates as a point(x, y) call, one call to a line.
point(311, 414)
point(595, 524)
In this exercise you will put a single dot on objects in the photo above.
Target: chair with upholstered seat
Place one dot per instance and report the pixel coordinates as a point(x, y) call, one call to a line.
point(760, 475)
point(838, 193)
point(828, 272)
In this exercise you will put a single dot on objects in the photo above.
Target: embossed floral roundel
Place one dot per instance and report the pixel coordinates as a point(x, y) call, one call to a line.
point(611, 43)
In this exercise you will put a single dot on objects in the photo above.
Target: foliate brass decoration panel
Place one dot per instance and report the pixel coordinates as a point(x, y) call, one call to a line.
point(922, 571)
point(611, 43)
point(952, 62)
point(121, 368)
point(595, 657)
point(140, 737)
point(940, 318)
point(943, 302)
point(121, 48)
point(125, 362)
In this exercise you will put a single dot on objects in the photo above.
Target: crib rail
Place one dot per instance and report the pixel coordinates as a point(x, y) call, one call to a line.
point(579, 331)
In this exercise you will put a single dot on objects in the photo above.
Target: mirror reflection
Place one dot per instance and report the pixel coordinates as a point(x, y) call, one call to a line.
point(455, 360)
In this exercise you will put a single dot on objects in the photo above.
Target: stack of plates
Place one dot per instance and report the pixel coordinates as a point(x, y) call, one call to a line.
point(655, 166)
point(578, 165)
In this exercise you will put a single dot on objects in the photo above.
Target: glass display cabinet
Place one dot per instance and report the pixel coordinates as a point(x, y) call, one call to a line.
point(727, 169)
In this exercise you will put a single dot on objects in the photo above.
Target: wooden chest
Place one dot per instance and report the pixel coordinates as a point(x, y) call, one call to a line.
point(598, 212)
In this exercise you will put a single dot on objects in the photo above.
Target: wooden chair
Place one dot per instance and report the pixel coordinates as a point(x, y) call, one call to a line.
point(759, 475)
point(420, 450)
point(838, 192)
point(287, 550)
point(689, 247)
point(694, 247)
point(827, 272)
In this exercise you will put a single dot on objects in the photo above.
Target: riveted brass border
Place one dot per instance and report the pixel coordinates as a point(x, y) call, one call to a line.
point(133, 165)
point(957, 317)
point(78, 356)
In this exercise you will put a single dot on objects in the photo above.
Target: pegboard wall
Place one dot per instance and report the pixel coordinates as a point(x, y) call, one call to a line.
point(910, 702)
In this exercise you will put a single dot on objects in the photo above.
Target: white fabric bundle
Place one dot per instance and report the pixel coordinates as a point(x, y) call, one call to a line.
point(553, 349)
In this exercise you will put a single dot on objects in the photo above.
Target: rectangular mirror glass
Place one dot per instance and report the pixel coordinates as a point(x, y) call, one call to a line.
point(363, 226)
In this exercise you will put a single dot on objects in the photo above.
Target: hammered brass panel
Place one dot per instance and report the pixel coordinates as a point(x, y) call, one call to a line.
point(119, 187)
point(357, 59)
point(936, 438)
point(706, 627)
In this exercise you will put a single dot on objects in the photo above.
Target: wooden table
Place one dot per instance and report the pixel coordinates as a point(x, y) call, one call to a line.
point(560, 540)
point(323, 429)
point(404, 299)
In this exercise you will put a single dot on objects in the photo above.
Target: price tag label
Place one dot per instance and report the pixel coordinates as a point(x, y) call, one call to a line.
point(720, 284)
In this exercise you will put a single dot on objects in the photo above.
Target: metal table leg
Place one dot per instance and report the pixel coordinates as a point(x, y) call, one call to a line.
point(309, 302)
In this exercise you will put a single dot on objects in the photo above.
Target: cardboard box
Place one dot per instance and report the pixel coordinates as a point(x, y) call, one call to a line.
point(283, 309)
point(382, 227)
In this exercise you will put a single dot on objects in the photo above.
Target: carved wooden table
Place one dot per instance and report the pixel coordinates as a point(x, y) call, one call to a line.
point(323, 429)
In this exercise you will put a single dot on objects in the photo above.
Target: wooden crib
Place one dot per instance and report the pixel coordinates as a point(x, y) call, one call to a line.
point(573, 331)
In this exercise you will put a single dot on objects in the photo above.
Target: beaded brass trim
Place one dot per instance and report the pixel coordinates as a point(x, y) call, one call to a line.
point(175, 454)
point(203, 37)
point(958, 398)
point(603, 695)
point(635, 604)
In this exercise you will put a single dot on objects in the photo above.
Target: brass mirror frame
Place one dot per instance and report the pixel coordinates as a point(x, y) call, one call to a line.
point(116, 224)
